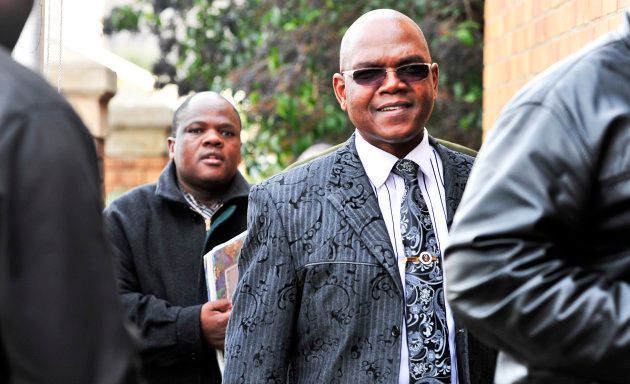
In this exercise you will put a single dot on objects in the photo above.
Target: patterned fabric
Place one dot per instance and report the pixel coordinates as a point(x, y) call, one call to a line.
point(427, 330)
point(205, 211)
point(320, 296)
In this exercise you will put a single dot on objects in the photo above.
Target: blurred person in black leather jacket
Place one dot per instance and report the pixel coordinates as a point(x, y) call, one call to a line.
point(539, 263)
point(60, 318)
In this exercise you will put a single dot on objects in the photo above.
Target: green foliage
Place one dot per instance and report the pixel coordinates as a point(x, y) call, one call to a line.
point(283, 55)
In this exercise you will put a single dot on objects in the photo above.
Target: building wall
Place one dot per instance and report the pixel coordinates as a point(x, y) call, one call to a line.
point(524, 37)
point(124, 173)
point(136, 145)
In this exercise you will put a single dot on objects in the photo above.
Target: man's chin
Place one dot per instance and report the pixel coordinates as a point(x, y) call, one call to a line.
point(402, 136)
point(216, 180)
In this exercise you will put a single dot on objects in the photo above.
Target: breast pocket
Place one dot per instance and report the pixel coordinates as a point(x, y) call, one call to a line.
point(342, 292)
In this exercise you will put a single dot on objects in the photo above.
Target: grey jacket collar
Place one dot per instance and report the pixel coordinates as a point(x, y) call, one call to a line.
point(349, 191)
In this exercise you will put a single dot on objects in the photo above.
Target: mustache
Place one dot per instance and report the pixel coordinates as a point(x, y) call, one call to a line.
point(212, 153)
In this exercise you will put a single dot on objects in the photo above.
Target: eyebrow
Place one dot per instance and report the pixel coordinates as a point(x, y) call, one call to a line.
point(203, 124)
point(195, 123)
point(406, 60)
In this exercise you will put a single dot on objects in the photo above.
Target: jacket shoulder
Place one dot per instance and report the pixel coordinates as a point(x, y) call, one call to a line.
point(313, 172)
point(133, 199)
point(25, 91)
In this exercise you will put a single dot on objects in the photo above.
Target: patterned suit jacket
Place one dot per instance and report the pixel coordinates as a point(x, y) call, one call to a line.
point(320, 299)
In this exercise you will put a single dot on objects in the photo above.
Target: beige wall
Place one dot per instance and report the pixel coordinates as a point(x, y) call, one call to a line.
point(524, 37)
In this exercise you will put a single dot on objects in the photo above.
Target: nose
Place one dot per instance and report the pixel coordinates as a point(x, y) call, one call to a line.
point(392, 83)
point(213, 138)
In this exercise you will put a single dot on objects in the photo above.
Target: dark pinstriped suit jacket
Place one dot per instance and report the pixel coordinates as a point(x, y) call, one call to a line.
point(320, 299)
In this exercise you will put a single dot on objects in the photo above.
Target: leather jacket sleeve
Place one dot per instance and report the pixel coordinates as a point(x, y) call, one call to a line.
point(519, 274)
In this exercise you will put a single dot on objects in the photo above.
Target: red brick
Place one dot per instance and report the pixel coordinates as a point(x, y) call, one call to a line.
point(601, 28)
point(582, 8)
point(493, 30)
point(552, 24)
point(595, 10)
point(540, 31)
point(488, 119)
point(565, 18)
point(529, 11)
point(530, 36)
point(490, 53)
point(615, 22)
point(609, 6)
point(579, 41)
point(520, 17)
point(564, 46)
point(518, 41)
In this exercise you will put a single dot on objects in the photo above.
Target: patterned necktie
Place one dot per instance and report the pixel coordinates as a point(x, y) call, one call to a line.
point(427, 331)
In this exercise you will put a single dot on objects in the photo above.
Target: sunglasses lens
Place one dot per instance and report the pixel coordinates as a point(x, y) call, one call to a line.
point(413, 72)
point(369, 76)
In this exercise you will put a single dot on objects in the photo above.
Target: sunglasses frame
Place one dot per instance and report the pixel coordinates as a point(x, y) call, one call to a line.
point(385, 70)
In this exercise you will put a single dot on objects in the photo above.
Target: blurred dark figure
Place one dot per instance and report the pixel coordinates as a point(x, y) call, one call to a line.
point(60, 319)
point(539, 263)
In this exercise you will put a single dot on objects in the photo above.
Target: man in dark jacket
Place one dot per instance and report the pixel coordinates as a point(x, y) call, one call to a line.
point(160, 232)
point(539, 263)
point(60, 318)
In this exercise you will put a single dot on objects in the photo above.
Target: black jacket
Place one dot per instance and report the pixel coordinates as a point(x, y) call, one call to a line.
point(159, 242)
point(539, 263)
point(60, 319)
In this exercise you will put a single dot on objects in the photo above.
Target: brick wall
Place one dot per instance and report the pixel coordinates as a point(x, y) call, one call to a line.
point(135, 150)
point(524, 37)
point(122, 174)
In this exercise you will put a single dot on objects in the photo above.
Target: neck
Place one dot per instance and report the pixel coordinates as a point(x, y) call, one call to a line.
point(208, 198)
point(205, 197)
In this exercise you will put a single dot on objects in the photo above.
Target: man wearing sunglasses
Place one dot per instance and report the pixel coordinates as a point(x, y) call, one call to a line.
point(341, 274)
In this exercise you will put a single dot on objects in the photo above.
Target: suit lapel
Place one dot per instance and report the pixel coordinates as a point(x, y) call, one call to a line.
point(456, 168)
point(350, 192)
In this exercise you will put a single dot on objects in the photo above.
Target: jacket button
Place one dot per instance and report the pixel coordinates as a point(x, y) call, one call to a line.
point(395, 331)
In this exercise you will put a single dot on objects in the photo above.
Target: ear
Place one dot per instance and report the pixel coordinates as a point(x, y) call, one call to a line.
point(339, 86)
point(435, 75)
point(171, 147)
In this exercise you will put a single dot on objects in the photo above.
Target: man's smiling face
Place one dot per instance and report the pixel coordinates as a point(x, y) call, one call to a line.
point(392, 115)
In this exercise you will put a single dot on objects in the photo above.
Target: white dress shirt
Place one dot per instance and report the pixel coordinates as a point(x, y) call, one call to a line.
point(390, 189)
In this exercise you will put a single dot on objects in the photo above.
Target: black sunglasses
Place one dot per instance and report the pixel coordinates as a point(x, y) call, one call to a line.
point(408, 73)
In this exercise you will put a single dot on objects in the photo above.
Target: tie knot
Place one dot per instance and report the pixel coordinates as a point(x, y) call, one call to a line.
point(407, 169)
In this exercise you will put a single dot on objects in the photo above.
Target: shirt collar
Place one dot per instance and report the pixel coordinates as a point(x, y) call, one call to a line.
point(378, 163)
point(205, 211)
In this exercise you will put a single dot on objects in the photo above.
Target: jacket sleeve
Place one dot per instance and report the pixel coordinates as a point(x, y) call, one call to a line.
point(514, 275)
point(170, 333)
point(261, 328)
point(61, 321)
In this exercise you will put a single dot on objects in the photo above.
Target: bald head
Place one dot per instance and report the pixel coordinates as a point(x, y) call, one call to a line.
point(390, 110)
point(355, 35)
point(209, 98)
point(13, 15)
